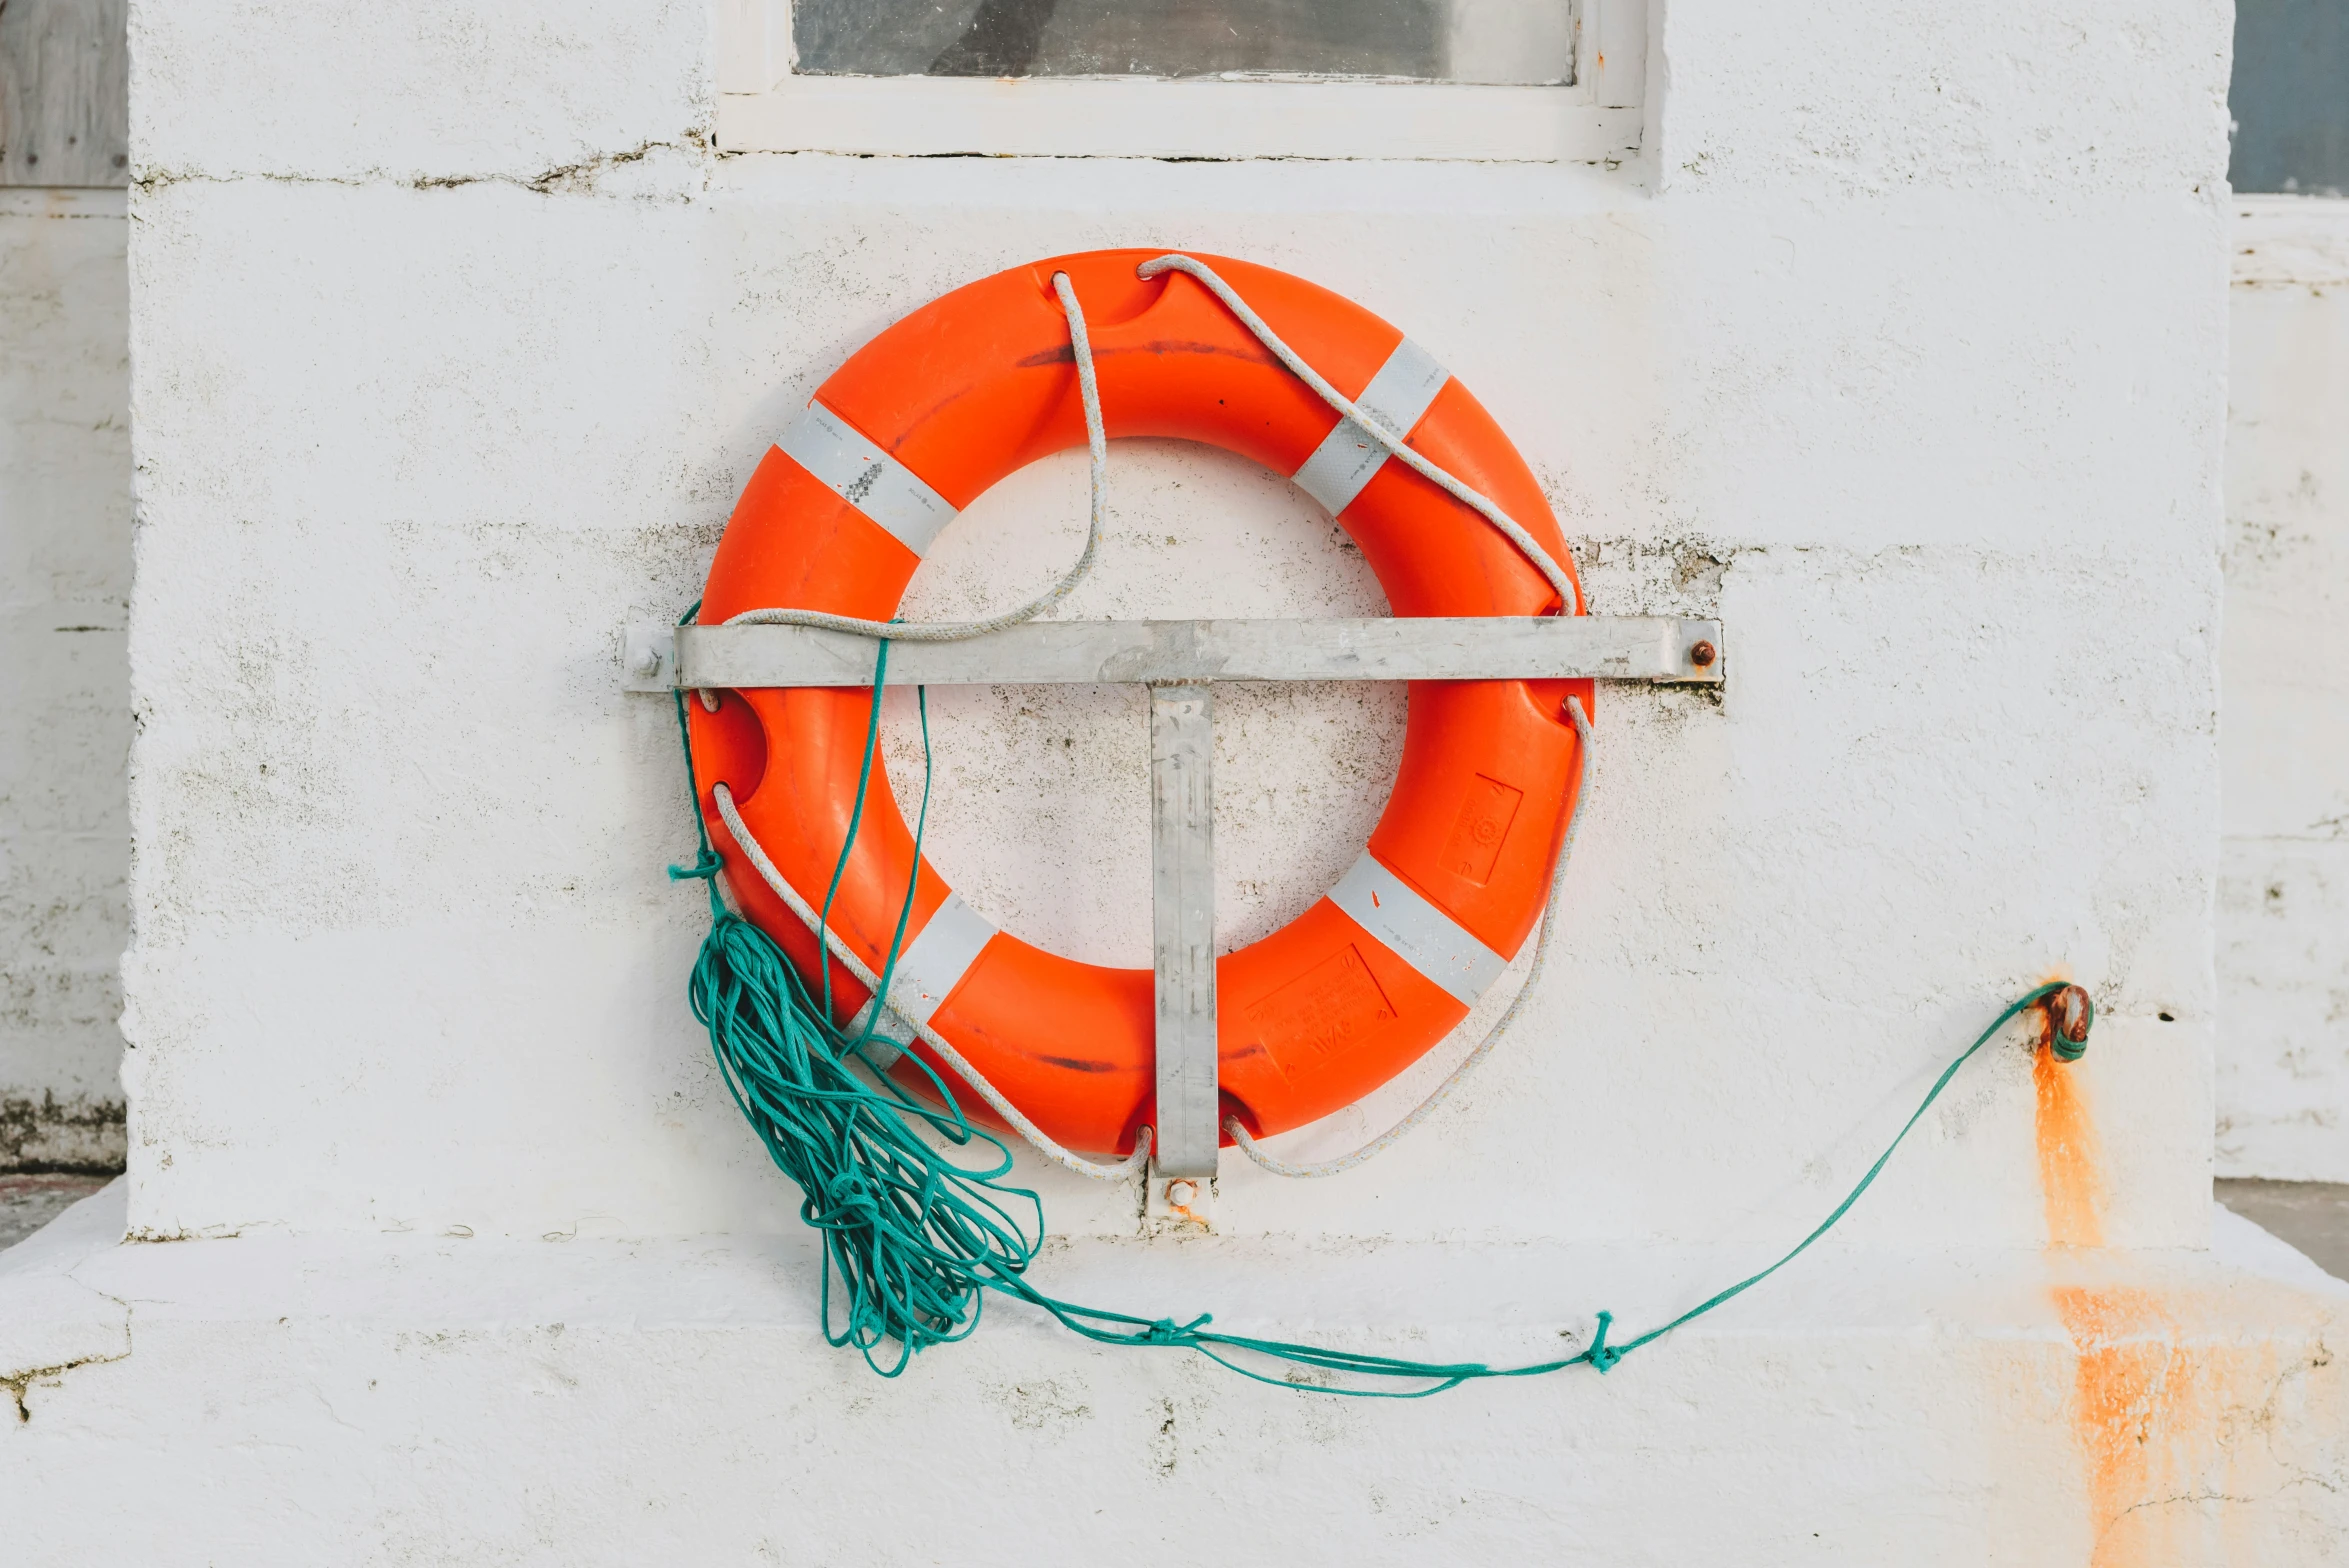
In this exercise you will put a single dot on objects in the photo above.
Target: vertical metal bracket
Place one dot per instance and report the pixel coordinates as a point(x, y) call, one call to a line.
point(1182, 929)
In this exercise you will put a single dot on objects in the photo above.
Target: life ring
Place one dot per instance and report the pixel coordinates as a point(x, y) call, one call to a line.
point(975, 385)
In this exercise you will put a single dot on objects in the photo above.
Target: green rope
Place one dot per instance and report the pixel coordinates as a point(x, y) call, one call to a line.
point(2064, 1048)
point(917, 1240)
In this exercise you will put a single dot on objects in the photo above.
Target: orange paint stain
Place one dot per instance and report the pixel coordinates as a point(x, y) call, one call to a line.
point(2071, 1187)
point(2134, 1397)
point(2177, 1413)
point(2127, 1370)
point(2139, 1414)
point(2187, 1405)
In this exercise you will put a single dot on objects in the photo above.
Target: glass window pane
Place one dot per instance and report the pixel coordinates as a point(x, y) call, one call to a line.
point(1517, 41)
point(2290, 96)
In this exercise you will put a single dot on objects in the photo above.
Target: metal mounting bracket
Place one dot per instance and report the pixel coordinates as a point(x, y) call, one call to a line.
point(1655, 649)
point(1179, 661)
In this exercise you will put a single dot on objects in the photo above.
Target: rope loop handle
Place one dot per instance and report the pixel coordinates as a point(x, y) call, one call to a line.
point(1097, 444)
point(1398, 447)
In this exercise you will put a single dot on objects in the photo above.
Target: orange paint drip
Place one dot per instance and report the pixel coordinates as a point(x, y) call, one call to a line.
point(2070, 1186)
point(2138, 1417)
point(2175, 1416)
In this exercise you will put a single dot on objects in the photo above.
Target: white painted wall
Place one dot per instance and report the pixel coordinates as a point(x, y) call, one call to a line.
point(65, 557)
point(400, 1400)
point(1902, 350)
point(2283, 1075)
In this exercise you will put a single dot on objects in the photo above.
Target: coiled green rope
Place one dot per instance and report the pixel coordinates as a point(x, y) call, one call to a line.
point(917, 1240)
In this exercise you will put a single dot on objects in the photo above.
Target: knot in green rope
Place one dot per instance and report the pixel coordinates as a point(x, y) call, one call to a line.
point(1602, 1355)
point(706, 865)
point(1166, 1331)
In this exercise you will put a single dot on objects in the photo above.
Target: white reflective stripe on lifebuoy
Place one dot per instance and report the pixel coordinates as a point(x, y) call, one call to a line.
point(1417, 932)
point(889, 1039)
point(931, 966)
point(866, 477)
point(1348, 456)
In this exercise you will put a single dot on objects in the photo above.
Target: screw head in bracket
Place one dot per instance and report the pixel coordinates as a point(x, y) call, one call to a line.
point(1703, 654)
point(1181, 1194)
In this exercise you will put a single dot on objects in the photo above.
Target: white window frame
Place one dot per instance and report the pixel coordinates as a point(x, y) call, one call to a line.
point(764, 107)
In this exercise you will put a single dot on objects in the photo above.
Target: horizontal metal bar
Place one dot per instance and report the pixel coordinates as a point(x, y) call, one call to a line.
point(1514, 647)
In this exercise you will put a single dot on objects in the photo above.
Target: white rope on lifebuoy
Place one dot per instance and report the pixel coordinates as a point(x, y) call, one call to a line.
point(1096, 439)
point(1527, 545)
point(1097, 443)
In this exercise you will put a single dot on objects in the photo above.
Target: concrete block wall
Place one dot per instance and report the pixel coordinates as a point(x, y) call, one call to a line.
point(65, 557)
point(2283, 916)
point(1901, 347)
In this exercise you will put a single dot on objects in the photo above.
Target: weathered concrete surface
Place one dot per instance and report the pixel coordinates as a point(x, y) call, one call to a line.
point(1902, 351)
point(367, 1399)
point(2283, 1072)
point(65, 557)
point(436, 94)
point(1961, 497)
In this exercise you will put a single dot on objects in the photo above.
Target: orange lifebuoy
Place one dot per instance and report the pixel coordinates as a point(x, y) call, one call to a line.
point(927, 416)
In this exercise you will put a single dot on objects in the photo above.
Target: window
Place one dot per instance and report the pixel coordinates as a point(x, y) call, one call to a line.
point(1519, 80)
point(2290, 97)
point(1492, 41)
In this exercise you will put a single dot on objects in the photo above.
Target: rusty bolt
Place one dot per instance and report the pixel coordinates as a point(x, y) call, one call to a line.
point(2067, 1014)
point(1703, 655)
point(1181, 1194)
